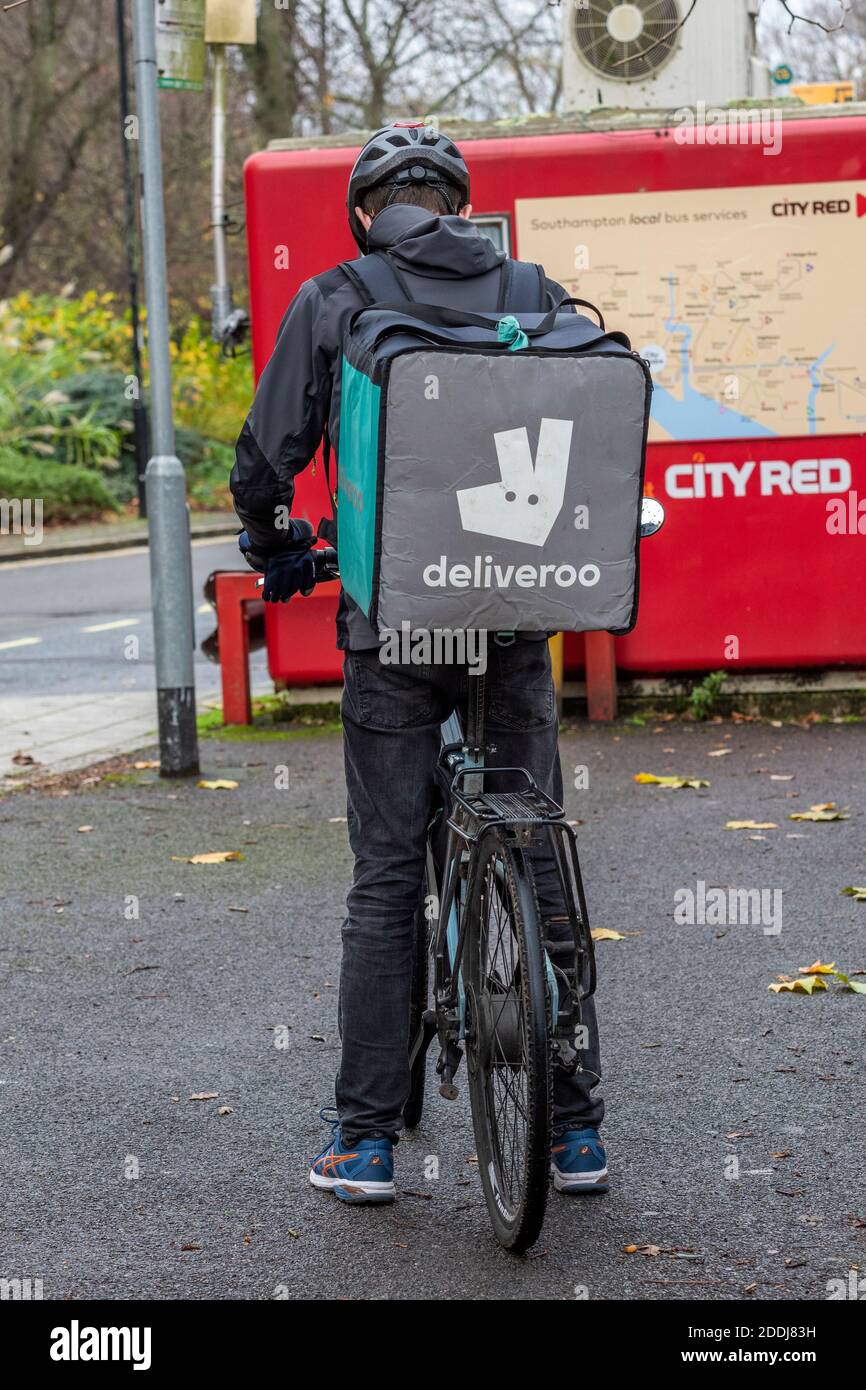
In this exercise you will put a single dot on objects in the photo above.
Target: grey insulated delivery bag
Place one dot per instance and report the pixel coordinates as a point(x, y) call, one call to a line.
point(490, 469)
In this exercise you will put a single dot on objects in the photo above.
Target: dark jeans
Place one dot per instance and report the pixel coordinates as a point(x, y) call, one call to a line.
point(391, 719)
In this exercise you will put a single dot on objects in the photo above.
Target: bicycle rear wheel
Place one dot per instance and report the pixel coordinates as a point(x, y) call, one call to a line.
point(508, 1041)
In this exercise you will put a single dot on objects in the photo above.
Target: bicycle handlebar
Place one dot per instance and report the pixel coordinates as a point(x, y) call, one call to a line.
point(324, 559)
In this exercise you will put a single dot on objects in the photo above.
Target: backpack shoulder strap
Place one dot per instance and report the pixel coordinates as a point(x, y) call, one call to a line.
point(376, 279)
point(522, 288)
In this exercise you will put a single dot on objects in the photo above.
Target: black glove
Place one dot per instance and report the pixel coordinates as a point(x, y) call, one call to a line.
point(292, 570)
point(287, 574)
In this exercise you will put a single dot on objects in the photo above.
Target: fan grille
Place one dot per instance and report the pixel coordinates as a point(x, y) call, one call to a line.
point(626, 41)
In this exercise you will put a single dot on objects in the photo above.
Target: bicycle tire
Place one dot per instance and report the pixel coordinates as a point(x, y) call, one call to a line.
point(506, 1018)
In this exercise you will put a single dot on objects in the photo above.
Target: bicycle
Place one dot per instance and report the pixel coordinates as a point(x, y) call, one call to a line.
point(491, 977)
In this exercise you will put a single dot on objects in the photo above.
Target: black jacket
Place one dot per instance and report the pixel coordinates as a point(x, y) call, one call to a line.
point(444, 260)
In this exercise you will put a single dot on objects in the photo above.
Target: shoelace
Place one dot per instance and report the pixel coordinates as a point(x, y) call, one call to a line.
point(328, 1115)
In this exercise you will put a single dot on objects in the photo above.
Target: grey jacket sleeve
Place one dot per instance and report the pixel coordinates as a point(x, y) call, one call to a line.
point(284, 427)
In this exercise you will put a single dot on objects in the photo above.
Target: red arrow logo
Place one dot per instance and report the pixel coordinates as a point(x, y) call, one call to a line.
point(861, 205)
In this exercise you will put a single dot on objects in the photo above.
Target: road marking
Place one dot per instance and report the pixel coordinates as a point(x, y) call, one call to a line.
point(20, 642)
point(106, 627)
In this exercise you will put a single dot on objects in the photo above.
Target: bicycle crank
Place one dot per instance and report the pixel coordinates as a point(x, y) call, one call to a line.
point(449, 1061)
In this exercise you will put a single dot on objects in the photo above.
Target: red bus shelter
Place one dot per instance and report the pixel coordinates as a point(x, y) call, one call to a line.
point(734, 256)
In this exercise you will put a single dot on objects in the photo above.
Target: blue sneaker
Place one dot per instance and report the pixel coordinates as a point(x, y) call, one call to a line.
point(578, 1162)
point(363, 1173)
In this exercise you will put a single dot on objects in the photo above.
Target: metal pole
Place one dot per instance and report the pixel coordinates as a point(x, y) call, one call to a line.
point(139, 410)
point(228, 324)
point(170, 558)
point(221, 294)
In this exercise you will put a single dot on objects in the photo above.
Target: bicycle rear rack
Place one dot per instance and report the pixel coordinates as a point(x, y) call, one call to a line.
point(529, 807)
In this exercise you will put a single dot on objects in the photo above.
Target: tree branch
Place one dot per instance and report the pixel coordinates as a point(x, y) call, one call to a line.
point(819, 24)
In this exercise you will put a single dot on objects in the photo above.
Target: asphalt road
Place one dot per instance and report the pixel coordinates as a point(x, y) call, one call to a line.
point(110, 1025)
point(64, 622)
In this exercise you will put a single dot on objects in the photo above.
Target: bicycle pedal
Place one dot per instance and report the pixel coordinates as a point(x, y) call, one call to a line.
point(449, 1091)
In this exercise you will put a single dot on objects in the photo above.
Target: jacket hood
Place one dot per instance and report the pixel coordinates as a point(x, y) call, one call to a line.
point(446, 248)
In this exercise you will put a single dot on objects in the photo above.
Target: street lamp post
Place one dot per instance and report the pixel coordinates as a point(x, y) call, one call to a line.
point(168, 520)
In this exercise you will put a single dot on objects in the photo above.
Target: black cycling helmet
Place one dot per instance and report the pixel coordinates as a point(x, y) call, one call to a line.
point(405, 153)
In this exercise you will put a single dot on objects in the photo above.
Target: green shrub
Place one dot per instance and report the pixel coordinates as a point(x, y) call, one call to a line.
point(68, 491)
point(64, 398)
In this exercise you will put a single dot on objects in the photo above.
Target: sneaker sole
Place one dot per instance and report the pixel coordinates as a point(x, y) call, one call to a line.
point(583, 1182)
point(355, 1191)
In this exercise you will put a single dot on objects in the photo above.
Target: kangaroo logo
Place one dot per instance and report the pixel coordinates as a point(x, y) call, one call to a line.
point(526, 501)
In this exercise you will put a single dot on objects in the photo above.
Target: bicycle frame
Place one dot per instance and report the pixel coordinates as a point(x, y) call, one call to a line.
point(535, 823)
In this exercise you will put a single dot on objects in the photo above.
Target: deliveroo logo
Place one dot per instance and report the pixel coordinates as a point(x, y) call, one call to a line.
point(525, 503)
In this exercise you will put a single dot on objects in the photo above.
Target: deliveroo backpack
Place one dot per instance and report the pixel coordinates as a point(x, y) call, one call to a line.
point(490, 468)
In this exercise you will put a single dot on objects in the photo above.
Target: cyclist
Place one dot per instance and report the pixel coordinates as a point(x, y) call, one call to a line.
point(408, 195)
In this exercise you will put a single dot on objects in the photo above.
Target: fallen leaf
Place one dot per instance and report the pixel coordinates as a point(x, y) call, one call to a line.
point(296, 1235)
point(190, 1247)
point(673, 783)
point(823, 811)
point(147, 762)
point(818, 968)
point(741, 1134)
point(605, 934)
point(805, 985)
point(220, 785)
point(781, 776)
point(337, 820)
point(24, 760)
point(751, 825)
point(220, 856)
point(857, 892)
point(84, 829)
point(855, 986)
point(225, 1110)
point(719, 752)
point(238, 909)
point(204, 1095)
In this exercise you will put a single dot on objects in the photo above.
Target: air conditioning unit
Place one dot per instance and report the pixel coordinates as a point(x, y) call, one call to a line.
point(633, 53)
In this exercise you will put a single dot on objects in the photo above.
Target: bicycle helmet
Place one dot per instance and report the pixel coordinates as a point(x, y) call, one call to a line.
point(401, 154)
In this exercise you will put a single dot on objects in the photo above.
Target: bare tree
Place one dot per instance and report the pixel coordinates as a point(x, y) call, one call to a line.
point(816, 54)
point(54, 98)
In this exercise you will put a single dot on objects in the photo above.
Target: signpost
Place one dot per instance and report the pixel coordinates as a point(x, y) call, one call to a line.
point(230, 21)
point(168, 521)
point(180, 45)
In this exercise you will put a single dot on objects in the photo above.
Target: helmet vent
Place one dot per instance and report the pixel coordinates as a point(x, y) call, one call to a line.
point(397, 140)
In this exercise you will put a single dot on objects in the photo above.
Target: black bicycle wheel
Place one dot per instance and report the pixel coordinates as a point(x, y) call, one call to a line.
point(414, 1107)
point(508, 1041)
